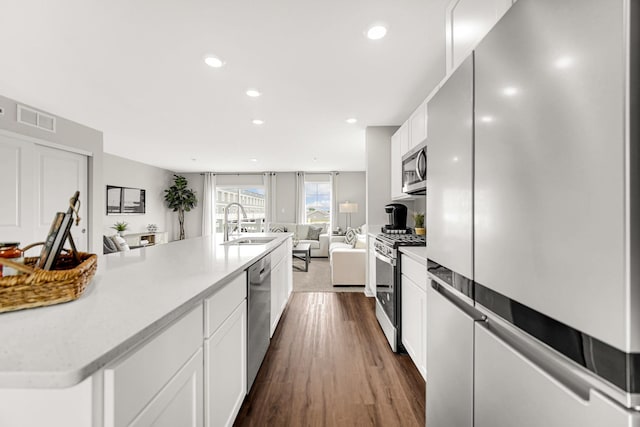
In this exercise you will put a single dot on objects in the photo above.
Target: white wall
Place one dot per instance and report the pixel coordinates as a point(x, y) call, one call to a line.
point(378, 152)
point(351, 187)
point(122, 172)
point(285, 197)
point(73, 137)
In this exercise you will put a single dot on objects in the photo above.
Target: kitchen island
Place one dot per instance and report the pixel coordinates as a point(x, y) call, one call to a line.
point(55, 356)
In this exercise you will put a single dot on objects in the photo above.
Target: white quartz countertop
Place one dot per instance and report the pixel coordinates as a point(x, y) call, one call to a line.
point(418, 253)
point(132, 296)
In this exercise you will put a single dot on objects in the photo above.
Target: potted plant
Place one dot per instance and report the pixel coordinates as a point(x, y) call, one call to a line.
point(120, 227)
point(180, 199)
point(418, 219)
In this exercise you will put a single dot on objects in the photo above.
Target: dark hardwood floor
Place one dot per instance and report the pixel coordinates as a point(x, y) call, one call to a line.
point(330, 365)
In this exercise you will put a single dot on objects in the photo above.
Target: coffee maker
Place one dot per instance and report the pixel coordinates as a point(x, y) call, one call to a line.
point(397, 218)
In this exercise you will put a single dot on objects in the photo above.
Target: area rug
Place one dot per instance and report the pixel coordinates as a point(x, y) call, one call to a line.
point(318, 278)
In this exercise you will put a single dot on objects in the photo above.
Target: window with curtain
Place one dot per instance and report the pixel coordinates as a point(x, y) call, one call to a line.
point(317, 192)
point(251, 198)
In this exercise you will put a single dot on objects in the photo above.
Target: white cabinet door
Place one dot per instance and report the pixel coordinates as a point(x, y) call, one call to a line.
point(467, 22)
point(179, 403)
point(371, 258)
point(278, 293)
point(132, 382)
point(226, 369)
point(414, 322)
point(396, 165)
point(404, 139)
point(289, 267)
point(418, 126)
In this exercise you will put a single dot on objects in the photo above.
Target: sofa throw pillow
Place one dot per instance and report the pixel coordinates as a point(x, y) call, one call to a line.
point(276, 228)
point(108, 247)
point(351, 236)
point(120, 243)
point(361, 242)
point(314, 233)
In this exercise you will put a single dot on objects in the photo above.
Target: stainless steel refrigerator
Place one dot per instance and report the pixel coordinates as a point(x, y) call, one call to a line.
point(553, 317)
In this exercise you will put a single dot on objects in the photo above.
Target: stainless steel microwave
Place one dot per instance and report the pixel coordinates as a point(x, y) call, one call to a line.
point(414, 171)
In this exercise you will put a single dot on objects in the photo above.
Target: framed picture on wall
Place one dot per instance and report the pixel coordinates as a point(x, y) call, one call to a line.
point(114, 195)
point(125, 200)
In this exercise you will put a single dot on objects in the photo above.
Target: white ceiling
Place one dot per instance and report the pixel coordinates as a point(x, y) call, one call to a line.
point(135, 70)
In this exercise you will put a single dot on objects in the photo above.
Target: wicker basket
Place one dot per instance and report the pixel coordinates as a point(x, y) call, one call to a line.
point(37, 287)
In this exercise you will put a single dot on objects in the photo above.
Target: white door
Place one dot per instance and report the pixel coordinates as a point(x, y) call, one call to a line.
point(59, 174)
point(16, 208)
point(37, 182)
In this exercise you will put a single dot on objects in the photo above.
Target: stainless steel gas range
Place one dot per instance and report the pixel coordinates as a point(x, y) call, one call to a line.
point(388, 281)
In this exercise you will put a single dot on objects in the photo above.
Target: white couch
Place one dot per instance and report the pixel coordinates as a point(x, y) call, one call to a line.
point(319, 248)
point(348, 263)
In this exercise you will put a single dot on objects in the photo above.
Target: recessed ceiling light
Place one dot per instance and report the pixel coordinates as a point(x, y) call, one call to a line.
point(351, 120)
point(253, 160)
point(254, 93)
point(486, 119)
point(563, 62)
point(213, 61)
point(376, 32)
point(510, 91)
point(257, 122)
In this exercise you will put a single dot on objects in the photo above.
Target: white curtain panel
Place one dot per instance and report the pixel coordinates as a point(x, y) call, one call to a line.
point(335, 176)
point(270, 211)
point(301, 216)
point(209, 205)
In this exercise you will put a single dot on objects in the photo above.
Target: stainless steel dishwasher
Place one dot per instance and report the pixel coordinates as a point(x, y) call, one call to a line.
point(259, 315)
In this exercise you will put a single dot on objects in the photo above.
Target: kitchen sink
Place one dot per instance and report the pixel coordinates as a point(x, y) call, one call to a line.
point(250, 241)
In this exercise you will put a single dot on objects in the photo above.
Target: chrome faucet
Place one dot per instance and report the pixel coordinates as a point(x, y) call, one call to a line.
point(225, 226)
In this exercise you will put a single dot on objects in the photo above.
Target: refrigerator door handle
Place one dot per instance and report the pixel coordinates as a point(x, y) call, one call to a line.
point(554, 366)
point(461, 305)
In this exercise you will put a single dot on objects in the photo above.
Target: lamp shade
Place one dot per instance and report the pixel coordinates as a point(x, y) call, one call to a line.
point(348, 207)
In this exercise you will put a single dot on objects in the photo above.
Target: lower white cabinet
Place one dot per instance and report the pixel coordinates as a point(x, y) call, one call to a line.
point(148, 383)
point(226, 369)
point(179, 403)
point(281, 282)
point(414, 312)
point(371, 267)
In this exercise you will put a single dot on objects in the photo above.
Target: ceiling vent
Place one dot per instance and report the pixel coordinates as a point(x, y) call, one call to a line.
point(31, 117)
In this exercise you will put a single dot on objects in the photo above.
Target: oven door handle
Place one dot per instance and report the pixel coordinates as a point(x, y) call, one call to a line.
point(385, 259)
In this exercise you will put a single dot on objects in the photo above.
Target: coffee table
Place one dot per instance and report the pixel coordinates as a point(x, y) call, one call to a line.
point(303, 251)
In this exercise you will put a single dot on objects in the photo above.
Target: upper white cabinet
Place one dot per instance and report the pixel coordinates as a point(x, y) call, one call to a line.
point(467, 22)
point(418, 125)
point(397, 140)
